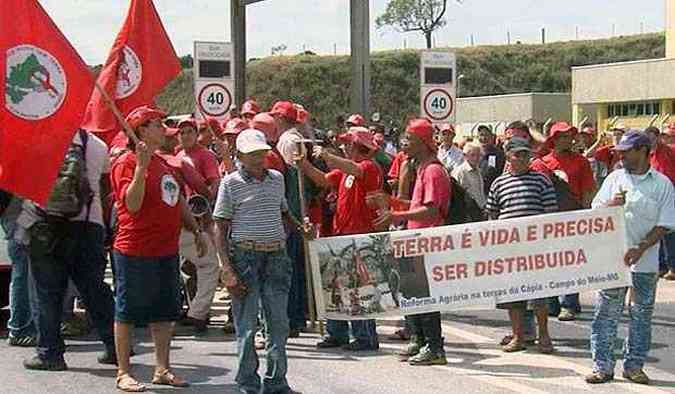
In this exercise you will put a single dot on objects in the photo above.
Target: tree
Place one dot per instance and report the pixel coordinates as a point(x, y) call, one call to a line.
point(424, 16)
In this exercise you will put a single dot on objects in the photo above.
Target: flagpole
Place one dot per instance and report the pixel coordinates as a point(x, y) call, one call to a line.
point(118, 115)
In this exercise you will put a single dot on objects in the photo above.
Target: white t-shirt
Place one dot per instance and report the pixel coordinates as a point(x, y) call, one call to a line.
point(98, 165)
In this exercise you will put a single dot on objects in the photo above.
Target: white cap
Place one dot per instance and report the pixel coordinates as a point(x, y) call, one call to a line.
point(251, 140)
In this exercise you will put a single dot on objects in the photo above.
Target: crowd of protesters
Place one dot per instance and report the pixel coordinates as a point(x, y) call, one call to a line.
point(228, 201)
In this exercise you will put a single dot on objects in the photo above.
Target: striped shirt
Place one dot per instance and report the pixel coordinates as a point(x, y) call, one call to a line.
point(254, 207)
point(527, 194)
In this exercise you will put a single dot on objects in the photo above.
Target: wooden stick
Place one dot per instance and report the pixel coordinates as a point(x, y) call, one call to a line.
point(583, 121)
point(118, 115)
point(309, 279)
point(651, 122)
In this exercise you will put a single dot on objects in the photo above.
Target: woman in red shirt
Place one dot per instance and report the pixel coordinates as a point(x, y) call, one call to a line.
point(150, 213)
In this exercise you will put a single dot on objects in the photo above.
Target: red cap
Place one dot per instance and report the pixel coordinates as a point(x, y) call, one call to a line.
point(359, 135)
point(171, 131)
point(214, 123)
point(558, 128)
point(250, 107)
point(447, 128)
point(265, 123)
point(235, 126)
point(189, 122)
point(142, 115)
point(285, 109)
point(424, 130)
point(356, 120)
point(302, 115)
point(670, 130)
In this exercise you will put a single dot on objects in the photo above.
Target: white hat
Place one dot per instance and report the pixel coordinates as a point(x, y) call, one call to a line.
point(251, 140)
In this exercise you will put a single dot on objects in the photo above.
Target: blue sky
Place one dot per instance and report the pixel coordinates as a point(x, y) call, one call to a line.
point(323, 25)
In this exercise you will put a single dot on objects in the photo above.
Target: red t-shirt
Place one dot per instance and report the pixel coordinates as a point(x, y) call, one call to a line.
point(573, 168)
point(274, 161)
point(663, 160)
point(432, 189)
point(395, 168)
point(154, 230)
point(204, 161)
point(607, 155)
point(352, 215)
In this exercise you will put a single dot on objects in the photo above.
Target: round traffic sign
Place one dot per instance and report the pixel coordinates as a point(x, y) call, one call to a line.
point(214, 99)
point(438, 104)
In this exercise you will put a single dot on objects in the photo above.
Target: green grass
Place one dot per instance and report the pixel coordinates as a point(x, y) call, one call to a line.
point(321, 83)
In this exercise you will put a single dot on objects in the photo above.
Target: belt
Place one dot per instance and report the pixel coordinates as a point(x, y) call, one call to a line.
point(260, 246)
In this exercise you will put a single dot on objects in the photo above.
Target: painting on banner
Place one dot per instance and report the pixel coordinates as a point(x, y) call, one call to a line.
point(472, 265)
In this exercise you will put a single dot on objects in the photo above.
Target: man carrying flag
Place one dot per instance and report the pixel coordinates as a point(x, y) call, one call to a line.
point(46, 87)
point(141, 63)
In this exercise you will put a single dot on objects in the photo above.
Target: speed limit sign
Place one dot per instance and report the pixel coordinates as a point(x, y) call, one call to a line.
point(214, 99)
point(438, 104)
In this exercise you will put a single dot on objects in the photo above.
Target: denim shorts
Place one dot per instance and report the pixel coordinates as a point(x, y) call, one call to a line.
point(147, 289)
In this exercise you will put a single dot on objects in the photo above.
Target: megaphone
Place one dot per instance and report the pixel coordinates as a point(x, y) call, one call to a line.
point(199, 205)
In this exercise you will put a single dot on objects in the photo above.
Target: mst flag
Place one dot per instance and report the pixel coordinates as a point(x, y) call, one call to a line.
point(44, 88)
point(142, 61)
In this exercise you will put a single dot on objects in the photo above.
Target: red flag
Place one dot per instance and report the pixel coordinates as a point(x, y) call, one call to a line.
point(44, 87)
point(141, 63)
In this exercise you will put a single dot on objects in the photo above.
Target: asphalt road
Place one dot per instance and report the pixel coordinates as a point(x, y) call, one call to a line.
point(476, 364)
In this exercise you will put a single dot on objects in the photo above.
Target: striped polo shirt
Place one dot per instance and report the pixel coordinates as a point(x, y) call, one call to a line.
point(527, 194)
point(254, 207)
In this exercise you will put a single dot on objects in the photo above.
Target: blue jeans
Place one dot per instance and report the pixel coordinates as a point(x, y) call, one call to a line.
point(297, 296)
point(667, 252)
point(58, 252)
point(608, 310)
point(22, 305)
point(362, 330)
point(268, 278)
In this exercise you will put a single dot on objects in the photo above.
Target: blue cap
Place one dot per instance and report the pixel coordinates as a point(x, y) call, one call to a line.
point(633, 139)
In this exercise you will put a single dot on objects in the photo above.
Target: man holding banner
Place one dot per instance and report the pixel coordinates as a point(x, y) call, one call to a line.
point(428, 208)
point(517, 193)
point(647, 196)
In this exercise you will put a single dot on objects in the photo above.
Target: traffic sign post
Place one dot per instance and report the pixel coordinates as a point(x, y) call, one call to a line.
point(438, 86)
point(213, 80)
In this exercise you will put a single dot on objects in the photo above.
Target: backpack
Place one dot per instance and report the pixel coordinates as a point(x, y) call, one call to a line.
point(71, 192)
point(461, 207)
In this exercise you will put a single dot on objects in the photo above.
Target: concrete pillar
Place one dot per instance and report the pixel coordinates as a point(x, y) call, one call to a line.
point(601, 116)
point(670, 29)
point(238, 37)
point(360, 51)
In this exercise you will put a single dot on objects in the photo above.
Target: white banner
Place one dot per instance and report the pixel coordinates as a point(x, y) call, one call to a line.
point(370, 276)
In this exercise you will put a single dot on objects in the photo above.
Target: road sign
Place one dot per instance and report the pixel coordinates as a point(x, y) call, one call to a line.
point(213, 80)
point(438, 86)
point(438, 104)
point(213, 98)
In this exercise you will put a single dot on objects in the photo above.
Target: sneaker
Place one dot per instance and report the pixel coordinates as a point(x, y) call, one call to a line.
point(107, 357)
point(38, 364)
point(358, 346)
point(21, 340)
point(400, 335)
point(74, 327)
point(411, 350)
point(428, 357)
point(567, 315)
point(330, 342)
point(597, 377)
point(670, 275)
point(636, 376)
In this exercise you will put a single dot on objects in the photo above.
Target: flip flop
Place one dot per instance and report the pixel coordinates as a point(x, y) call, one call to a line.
point(129, 384)
point(167, 378)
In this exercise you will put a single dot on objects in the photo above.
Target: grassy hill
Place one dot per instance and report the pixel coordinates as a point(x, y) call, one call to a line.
point(321, 83)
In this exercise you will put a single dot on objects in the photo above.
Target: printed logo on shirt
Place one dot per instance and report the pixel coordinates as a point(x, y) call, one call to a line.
point(349, 181)
point(170, 191)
